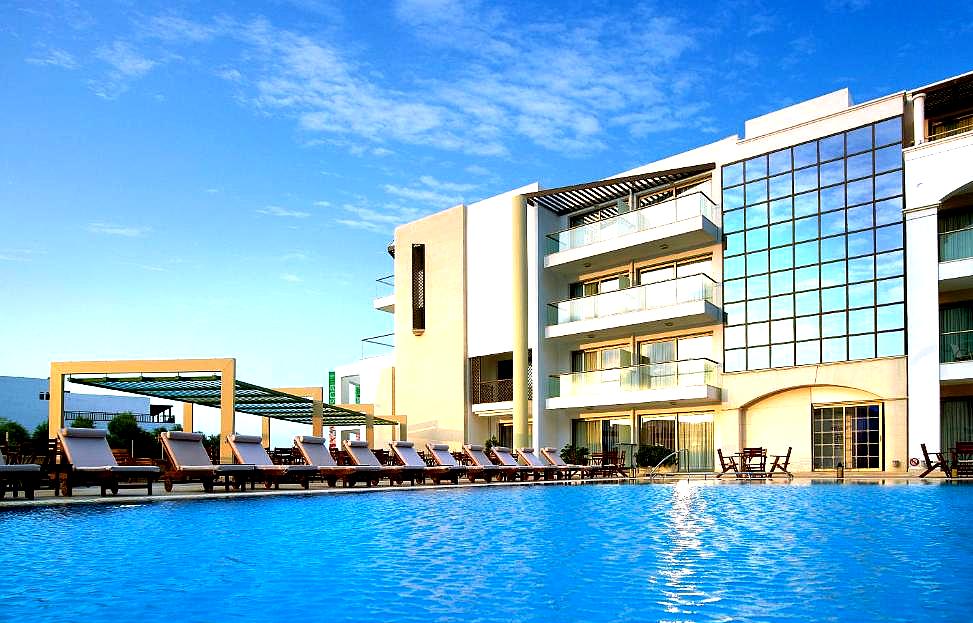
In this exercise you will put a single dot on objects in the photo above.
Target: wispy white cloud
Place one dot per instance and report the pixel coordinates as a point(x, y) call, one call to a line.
point(295, 256)
point(17, 255)
point(291, 278)
point(577, 81)
point(322, 204)
point(283, 212)
point(475, 169)
point(125, 64)
point(54, 57)
point(111, 229)
point(380, 220)
point(435, 184)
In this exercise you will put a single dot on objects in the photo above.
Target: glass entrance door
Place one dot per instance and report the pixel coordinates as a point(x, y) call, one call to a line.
point(848, 434)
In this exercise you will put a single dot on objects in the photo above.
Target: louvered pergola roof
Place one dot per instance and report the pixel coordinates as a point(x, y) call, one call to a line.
point(205, 390)
point(570, 199)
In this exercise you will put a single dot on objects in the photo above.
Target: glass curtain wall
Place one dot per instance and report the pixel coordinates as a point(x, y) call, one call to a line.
point(813, 268)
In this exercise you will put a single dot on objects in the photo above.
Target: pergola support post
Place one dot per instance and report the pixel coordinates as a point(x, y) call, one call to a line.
point(317, 419)
point(521, 438)
point(187, 417)
point(227, 408)
point(265, 432)
point(55, 405)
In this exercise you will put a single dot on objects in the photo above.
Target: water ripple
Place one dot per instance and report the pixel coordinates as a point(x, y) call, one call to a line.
point(676, 553)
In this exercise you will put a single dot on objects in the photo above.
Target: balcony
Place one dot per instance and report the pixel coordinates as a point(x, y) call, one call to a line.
point(385, 294)
point(956, 259)
point(688, 382)
point(956, 356)
point(679, 224)
point(680, 303)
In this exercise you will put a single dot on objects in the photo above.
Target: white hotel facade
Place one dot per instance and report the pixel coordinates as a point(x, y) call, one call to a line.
point(808, 285)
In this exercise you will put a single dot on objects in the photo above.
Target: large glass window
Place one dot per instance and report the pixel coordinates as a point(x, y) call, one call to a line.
point(850, 435)
point(689, 434)
point(820, 222)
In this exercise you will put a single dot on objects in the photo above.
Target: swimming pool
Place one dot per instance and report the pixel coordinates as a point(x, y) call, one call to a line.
point(683, 552)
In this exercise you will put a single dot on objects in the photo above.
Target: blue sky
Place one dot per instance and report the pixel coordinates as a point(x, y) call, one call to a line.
point(191, 179)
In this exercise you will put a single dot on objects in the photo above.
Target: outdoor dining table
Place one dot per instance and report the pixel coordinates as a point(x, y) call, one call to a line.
point(961, 458)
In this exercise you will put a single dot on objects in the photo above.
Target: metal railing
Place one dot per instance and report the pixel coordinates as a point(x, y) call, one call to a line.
point(685, 373)
point(956, 244)
point(687, 206)
point(107, 416)
point(377, 345)
point(956, 346)
point(384, 286)
point(961, 127)
point(638, 298)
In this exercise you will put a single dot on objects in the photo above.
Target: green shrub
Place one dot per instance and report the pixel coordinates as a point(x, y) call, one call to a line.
point(12, 431)
point(574, 455)
point(650, 456)
point(124, 433)
point(492, 441)
point(40, 433)
point(82, 422)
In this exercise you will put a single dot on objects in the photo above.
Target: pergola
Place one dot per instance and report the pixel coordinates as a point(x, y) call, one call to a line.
point(209, 383)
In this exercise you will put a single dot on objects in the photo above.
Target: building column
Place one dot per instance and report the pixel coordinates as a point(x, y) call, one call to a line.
point(919, 118)
point(265, 431)
point(187, 417)
point(55, 406)
point(317, 419)
point(227, 408)
point(370, 430)
point(519, 300)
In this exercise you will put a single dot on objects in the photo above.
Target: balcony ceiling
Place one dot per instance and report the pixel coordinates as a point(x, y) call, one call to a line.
point(948, 96)
point(571, 199)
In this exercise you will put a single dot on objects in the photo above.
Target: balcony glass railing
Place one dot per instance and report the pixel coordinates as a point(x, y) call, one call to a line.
point(689, 372)
point(648, 296)
point(956, 346)
point(956, 244)
point(681, 208)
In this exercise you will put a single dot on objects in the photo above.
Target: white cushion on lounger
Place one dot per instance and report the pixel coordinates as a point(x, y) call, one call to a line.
point(315, 451)
point(187, 450)
point(87, 448)
point(28, 467)
point(249, 450)
point(406, 451)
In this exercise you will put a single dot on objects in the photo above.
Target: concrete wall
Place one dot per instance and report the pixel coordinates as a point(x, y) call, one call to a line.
point(431, 368)
point(932, 171)
point(772, 408)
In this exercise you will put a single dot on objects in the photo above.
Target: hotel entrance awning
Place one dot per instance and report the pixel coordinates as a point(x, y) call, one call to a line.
point(205, 390)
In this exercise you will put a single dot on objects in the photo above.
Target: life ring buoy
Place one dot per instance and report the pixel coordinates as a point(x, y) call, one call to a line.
point(914, 462)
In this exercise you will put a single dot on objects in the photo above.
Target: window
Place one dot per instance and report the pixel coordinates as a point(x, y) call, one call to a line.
point(850, 435)
point(44, 396)
point(817, 251)
point(418, 288)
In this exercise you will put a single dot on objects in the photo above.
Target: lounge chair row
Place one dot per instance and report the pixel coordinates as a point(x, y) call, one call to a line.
point(86, 459)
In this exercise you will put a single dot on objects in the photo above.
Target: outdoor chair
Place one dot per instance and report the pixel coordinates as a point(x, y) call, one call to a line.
point(315, 451)
point(505, 457)
point(727, 463)
point(18, 478)
point(360, 454)
point(248, 450)
point(88, 460)
point(780, 464)
point(959, 353)
point(405, 453)
point(941, 462)
point(961, 459)
point(188, 461)
point(477, 454)
point(554, 458)
point(442, 456)
point(528, 456)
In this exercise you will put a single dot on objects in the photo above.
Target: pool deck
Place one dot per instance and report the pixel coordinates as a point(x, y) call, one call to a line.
point(86, 496)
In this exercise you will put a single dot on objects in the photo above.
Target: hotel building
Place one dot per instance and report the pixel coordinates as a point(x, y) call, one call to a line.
point(807, 285)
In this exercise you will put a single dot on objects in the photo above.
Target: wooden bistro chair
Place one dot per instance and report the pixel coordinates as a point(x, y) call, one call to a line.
point(727, 463)
point(781, 461)
point(941, 462)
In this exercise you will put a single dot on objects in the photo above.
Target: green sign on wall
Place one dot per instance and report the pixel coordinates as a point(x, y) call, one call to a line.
point(331, 387)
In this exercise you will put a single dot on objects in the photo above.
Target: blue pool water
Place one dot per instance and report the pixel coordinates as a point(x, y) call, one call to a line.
point(685, 552)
